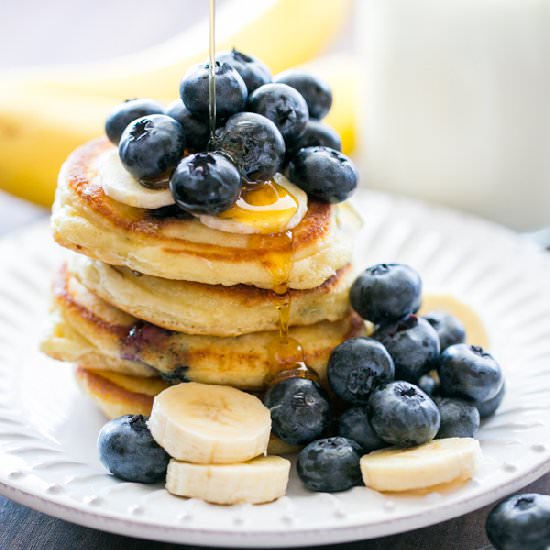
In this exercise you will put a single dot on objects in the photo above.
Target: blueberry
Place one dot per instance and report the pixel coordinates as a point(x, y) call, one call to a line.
point(469, 372)
point(141, 337)
point(176, 376)
point(281, 104)
point(323, 173)
point(429, 384)
point(126, 112)
point(168, 212)
point(196, 129)
point(316, 133)
point(206, 183)
point(355, 424)
point(384, 293)
point(458, 418)
point(253, 143)
point(450, 330)
point(413, 345)
point(402, 414)
point(330, 465)
point(356, 367)
point(252, 70)
point(151, 147)
point(489, 407)
point(315, 91)
point(521, 522)
point(300, 410)
point(127, 449)
point(231, 91)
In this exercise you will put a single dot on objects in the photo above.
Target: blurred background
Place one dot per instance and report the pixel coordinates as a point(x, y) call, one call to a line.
point(81, 31)
point(443, 100)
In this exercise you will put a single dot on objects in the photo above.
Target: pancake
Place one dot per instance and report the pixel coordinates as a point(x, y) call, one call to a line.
point(85, 220)
point(109, 339)
point(63, 343)
point(196, 308)
point(118, 394)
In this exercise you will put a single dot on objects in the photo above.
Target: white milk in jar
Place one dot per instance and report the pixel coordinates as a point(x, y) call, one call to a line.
point(456, 104)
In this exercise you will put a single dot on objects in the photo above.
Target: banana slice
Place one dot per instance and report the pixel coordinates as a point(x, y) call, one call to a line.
point(434, 463)
point(263, 208)
point(120, 185)
point(476, 333)
point(255, 482)
point(210, 424)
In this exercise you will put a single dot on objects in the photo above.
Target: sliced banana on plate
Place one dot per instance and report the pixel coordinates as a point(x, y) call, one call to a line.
point(120, 185)
point(260, 480)
point(476, 333)
point(437, 462)
point(210, 424)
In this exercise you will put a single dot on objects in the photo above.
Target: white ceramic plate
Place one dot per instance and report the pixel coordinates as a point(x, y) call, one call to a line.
point(48, 430)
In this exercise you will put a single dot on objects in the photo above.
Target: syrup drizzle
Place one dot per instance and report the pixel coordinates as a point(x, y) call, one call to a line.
point(285, 353)
point(266, 207)
point(212, 72)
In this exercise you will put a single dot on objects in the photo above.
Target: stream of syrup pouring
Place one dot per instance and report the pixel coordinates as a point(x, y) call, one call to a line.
point(285, 353)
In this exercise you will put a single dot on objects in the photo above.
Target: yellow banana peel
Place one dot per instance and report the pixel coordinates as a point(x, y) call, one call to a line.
point(46, 113)
point(37, 133)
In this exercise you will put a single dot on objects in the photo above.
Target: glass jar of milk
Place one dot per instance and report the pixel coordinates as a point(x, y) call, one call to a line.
point(456, 104)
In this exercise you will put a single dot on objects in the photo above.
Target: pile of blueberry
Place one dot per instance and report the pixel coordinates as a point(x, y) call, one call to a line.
point(264, 125)
point(414, 380)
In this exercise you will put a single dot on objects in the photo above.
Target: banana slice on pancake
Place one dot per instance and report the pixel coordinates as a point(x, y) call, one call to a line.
point(121, 186)
point(264, 208)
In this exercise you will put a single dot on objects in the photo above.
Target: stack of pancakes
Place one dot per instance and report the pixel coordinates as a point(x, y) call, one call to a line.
point(154, 297)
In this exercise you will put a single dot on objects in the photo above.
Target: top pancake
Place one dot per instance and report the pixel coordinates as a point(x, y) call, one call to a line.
point(87, 221)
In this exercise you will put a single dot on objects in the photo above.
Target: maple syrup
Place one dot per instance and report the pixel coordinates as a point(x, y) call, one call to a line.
point(212, 71)
point(265, 205)
point(257, 203)
point(285, 353)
